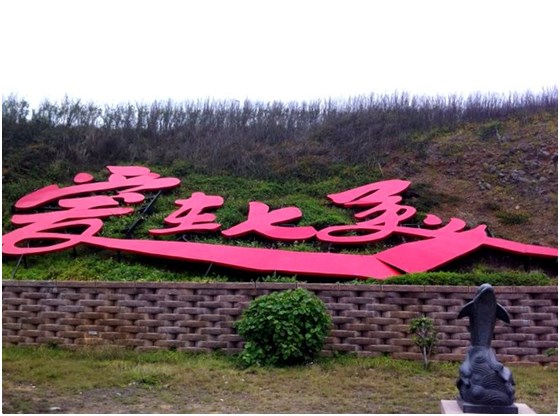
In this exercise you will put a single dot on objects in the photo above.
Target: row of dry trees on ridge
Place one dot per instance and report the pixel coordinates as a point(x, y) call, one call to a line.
point(242, 138)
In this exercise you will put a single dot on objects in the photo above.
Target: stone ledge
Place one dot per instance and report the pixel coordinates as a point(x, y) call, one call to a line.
point(451, 407)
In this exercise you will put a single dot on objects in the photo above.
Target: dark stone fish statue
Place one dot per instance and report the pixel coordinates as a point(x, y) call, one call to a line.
point(483, 381)
point(482, 312)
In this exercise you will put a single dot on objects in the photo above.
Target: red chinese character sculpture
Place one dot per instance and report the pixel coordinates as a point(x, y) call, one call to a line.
point(190, 217)
point(129, 179)
point(264, 222)
point(81, 211)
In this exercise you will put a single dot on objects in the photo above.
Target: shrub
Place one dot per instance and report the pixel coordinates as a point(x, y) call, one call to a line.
point(283, 328)
point(424, 336)
point(473, 278)
point(489, 130)
point(513, 218)
point(551, 352)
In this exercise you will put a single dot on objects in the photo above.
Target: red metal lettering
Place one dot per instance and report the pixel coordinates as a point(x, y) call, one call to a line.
point(383, 213)
point(264, 222)
point(80, 219)
point(51, 229)
point(126, 179)
point(190, 216)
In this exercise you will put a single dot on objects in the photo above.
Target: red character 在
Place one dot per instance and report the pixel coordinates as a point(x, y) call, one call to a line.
point(191, 216)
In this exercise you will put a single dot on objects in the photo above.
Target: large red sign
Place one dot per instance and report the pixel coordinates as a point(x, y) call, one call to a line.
point(379, 215)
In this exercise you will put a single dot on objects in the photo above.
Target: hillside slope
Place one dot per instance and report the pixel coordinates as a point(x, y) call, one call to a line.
point(493, 163)
point(503, 174)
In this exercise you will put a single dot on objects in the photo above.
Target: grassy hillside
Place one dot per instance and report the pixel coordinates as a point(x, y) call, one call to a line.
point(485, 159)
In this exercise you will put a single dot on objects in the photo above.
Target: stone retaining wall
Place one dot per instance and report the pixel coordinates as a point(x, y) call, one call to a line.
point(368, 319)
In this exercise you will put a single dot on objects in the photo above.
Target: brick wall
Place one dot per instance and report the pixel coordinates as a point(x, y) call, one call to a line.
point(368, 320)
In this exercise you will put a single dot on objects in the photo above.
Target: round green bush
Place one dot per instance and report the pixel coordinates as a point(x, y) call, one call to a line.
point(283, 328)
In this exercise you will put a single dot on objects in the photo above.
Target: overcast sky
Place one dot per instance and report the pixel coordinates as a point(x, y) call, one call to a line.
point(113, 51)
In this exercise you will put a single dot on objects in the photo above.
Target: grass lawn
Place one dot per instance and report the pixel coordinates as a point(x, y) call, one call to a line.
point(47, 380)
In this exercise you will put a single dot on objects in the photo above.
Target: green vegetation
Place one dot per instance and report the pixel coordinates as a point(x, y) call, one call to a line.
point(35, 380)
point(90, 265)
point(425, 337)
point(512, 218)
point(283, 328)
point(472, 278)
point(490, 130)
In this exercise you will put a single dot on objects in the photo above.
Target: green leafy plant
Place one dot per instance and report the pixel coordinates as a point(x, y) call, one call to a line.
point(471, 278)
point(512, 218)
point(424, 336)
point(489, 130)
point(283, 328)
point(551, 352)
